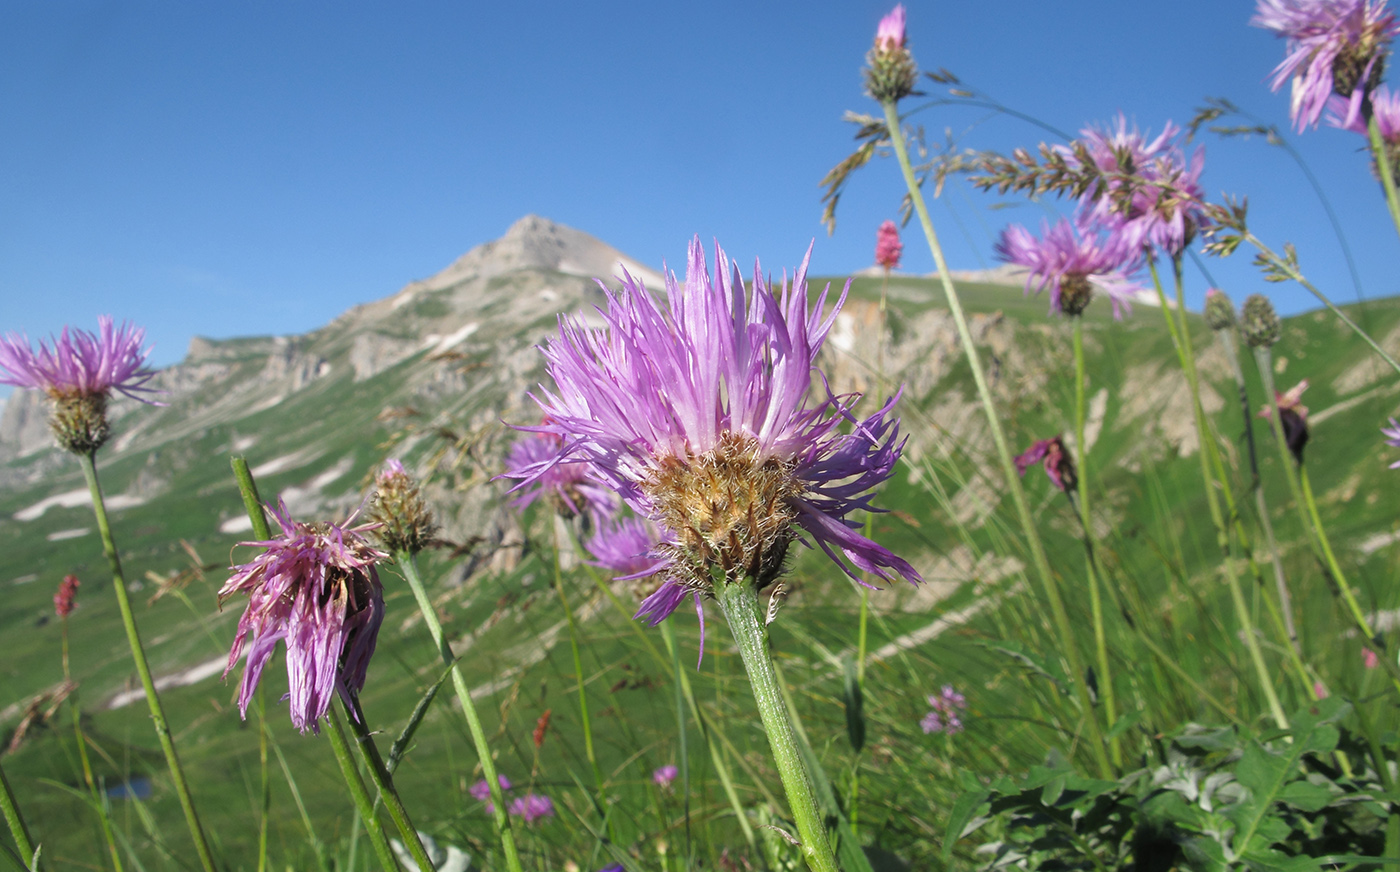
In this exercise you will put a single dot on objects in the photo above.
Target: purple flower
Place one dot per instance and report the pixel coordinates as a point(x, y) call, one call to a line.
point(888, 248)
point(532, 807)
point(1334, 47)
point(889, 35)
point(664, 776)
point(1293, 416)
point(572, 488)
point(316, 589)
point(1392, 438)
point(481, 792)
point(1072, 262)
point(79, 363)
point(1385, 106)
point(698, 414)
point(624, 547)
point(944, 718)
point(1053, 454)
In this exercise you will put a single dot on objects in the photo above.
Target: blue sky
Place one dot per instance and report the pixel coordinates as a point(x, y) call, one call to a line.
point(252, 168)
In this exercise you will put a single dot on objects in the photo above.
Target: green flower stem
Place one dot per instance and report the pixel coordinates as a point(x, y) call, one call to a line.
point(265, 799)
point(143, 668)
point(483, 750)
point(99, 801)
point(1181, 338)
point(1384, 169)
point(739, 602)
point(584, 718)
point(343, 756)
point(384, 783)
point(1110, 708)
point(18, 830)
point(1068, 645)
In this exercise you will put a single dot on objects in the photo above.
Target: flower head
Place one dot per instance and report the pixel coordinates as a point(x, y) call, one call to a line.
point(63, 598)
point(316, 589)
point(664, 776)
point(698, 413)
point(403, 521)
point(1071, 262)
point(947, 706)
point(625, 546)
point(481, 792)
point(1392, 438)
point(890, 71)
point(1259, 322)
point(570, 487)
point(532, 806)
point(1334, 47)
point(888, 248)
point(1220, 312)
point(1053, 454)
point(1385, 108)
point(1293, 416)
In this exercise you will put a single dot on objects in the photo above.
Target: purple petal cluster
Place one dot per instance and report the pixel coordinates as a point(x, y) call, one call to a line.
point(481, 792)
point(889, 35)
point(1385, 106)
point(698, 413)
point(1335, 47)
point(664, 776)
point(945, 715)
point(1068, 260)
point(79, 363)
point(571, 487)
point(624, 547)
point(1054, 456)
point(316, 589)
point(1392, 438)
point(532, 807)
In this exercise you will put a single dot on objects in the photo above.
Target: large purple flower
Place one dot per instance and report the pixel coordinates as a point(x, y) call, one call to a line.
point(1071, 262)
point(79, 363)
point(698, 413)
point(570, 487)
point(1334, 47)
point(316, 589)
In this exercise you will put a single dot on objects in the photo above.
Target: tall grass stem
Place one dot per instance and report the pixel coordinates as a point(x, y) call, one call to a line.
point(384, 783)
point(19, 831)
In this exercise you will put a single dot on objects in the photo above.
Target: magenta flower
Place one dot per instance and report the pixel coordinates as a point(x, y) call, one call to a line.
point(1054, 456)
point(80, 364)
point(664, 776)
point(698, 414)
point(1392, 438)
point(571, 488)
point(1071, 263)
point(316, 589)
point(1369, 658)
point(945, 716)
point(66, 595)
point(889, 35)
point(624, 547)
point(888, 248)
point(481, 792)
point(1334, 47)
point(532, 806)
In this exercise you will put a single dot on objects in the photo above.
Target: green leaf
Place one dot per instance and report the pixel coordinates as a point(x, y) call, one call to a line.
point(1306, 795)
point(964, 809)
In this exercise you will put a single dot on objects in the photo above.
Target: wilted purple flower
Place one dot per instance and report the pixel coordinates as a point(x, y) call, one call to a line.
point(481, 792)
point(1293, 416)
point(316, 589)
point(944, 718)
point(570, 487)
point(1054, 456)
point(532, 807)
point(1071, 262)
point(890, 33)
point(888, 248)
point(698, 414)
point(1334, 47)
point(1151, 195)
point(80, 364)
point(664, 776)
point(1392, 438)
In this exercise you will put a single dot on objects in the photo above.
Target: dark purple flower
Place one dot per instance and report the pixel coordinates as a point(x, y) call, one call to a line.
point(698, 413)
point(532, 807)
point(316, 589)
point(1334, 47)
point(888, 248)
point(79, 363)
point(1392, 438)
point(1054, 456)
point(1071, 262)
point(570, 487)
point(481, 792)
point(63, 599)
point(1293, 416)
point(664, 776)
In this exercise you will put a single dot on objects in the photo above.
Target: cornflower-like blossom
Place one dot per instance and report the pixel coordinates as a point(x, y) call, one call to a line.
point(1054, 456)
point(1071, 262)
point(664, 776)
point(1385, 108)
point(481, 792)
point(570, 487)
point(316, 589)
point(64, 597)
point(888, 248)
point(698, 414)
point(624, 546)
point(403, 520)
point(79, 371)
point(1392, 438)
point(1334, 47)
point(945, 715)
point(1151, 194)
point(890, 71)
point(532, 806)
point(1293, 415)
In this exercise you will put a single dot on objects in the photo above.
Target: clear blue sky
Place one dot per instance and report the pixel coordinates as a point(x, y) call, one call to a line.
point(242, 168)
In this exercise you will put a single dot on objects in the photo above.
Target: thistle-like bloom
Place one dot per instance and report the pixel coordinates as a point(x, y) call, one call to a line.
point(1151, 194)
point(1259, 322)
point(890, 71)
point(1392, 438)
point(664, 776)
point(63, 598)
point(1334, 47)
point(403, 520)
point(1293, 415)
point(481, 792)
point(570, 487)
point(1054, 456)
point(532, 806)
point(316, 589)
point(1385, 107)
point(888, 248)
point(698, 414)
point(945, 715)
point(1071, 262)
point(1220, 312)
point(79, 371)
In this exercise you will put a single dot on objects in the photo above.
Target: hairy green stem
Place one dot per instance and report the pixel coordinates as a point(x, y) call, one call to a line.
point(739, 602)
point(143, 668)
point(1384, 169)
point(409, 567)
point(343, 756)
point(1068, 644)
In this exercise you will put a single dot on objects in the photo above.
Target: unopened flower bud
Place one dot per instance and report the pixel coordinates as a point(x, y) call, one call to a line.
point(891, 71)
point(1220, 312)
point(63, 600)
point(79, 423)
point(1259, 322)
point(406, 522)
